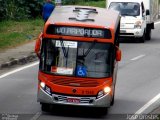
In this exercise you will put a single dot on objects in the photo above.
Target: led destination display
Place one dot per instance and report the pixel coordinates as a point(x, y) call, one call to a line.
point(79, 31)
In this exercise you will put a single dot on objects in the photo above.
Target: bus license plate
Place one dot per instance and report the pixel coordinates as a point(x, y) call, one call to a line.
point(73, 100)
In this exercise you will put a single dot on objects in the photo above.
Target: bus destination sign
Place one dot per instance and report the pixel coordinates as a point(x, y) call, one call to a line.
point(79, 31)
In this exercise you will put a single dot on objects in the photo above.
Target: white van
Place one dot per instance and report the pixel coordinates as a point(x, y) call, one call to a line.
point(137, 17)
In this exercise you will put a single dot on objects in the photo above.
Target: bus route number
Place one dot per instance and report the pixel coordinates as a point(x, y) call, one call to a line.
point(87, 92)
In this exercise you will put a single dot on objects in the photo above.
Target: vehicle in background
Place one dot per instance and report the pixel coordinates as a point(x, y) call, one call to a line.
point(79, 54)
point(138, 17)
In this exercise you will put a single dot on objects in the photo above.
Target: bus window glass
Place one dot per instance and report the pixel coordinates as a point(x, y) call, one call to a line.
point(75, 58)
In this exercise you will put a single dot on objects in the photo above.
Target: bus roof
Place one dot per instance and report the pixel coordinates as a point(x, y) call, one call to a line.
point(92, 16)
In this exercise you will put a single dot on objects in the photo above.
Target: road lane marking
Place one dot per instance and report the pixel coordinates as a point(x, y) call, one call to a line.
point(19, 69)
point(36, 116)
point(157, 23)
point(138, 57)
point(147, 105)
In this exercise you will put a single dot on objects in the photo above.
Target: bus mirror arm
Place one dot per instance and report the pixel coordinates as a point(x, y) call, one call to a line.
point(38, 45)
point(118, 54)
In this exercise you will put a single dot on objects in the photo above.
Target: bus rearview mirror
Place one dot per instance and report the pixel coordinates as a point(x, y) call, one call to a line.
point(118, 55)
point(38, 45)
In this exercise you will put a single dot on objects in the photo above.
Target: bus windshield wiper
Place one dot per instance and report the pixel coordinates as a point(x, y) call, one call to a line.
point(65, 52)
point(81, 57)
point(89, 49)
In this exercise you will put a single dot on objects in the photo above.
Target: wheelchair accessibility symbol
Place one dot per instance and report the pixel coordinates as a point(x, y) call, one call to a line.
point(81, 71)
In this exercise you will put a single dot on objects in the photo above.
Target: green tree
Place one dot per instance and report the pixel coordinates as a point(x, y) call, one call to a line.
point(20, 9)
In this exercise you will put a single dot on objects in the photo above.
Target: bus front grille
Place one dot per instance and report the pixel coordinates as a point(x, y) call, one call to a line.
point(75, 82)
point(82, 100)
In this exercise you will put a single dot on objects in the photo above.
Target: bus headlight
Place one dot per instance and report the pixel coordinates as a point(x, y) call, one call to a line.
point(42, 84)
point(138, 24)
point(107, 90)
point(45, 88)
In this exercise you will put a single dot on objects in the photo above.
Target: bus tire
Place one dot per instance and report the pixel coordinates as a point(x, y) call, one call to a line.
point(112, 101)
point(45, 107)
point(113, 94)
point(102, 111)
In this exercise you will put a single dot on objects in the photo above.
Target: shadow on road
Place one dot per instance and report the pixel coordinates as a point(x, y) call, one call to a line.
point(129, 40)
point(74, 111)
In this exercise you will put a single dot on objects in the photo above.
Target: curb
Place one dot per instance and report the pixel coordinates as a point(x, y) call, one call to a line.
point(21, 61)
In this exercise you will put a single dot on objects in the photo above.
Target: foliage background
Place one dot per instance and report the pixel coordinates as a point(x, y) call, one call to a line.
point(20, 9)
point(24, 9)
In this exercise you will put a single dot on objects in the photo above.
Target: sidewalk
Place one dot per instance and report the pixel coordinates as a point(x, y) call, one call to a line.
point(18, 55)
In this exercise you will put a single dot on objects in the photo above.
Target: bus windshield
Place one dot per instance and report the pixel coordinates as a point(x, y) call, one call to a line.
point(76, 58)
point(126, 8)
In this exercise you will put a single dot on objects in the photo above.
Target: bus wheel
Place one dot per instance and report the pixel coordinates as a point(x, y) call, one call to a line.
point(45, 107)
point(112, 101)
point(102, 111)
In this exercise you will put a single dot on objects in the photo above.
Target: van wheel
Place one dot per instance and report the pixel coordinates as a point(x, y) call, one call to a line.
point(142, 39)
point(45, 107)
point(148, 34)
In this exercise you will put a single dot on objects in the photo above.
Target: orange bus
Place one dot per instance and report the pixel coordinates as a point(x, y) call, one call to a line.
point(79, 53)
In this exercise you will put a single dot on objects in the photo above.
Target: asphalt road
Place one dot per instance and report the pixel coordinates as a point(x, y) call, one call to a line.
point(138, 82)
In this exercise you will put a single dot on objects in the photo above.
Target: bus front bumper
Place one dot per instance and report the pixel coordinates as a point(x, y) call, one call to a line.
point(44, 97)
